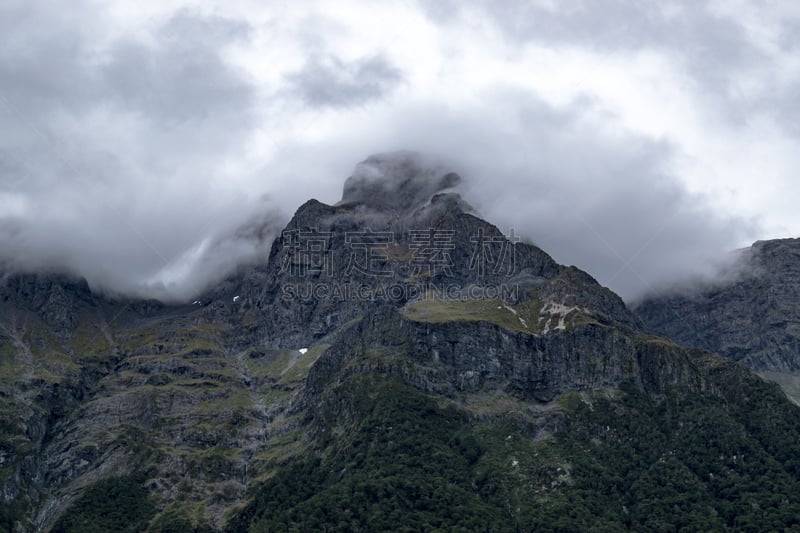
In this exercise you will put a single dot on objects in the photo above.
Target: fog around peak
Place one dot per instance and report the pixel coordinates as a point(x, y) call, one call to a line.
point(155, 147)
point(401, 180)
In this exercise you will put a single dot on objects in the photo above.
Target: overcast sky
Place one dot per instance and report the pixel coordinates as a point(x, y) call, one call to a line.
point(147, 144)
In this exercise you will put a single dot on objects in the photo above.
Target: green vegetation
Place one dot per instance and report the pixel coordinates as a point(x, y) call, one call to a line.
point(390, 458)
point(119, 504)
point(88, 340)
point(10, 514)
point(525, 317)
point(522, 318)
point(403, 467)
point(177, 522)
point(375, 454)
point(687, 462)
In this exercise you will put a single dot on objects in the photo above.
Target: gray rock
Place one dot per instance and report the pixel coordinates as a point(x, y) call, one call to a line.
point(452, 357)
point(207, 397)
point(754, 318)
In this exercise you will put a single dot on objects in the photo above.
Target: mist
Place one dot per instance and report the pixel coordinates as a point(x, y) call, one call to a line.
point(605, 203)
point(155, 149)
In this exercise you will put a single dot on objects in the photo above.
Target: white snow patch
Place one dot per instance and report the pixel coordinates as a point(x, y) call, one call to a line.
point(235, 298)
point(196, 302)
point(303, 350)
point(554, 308)
point(561, 310)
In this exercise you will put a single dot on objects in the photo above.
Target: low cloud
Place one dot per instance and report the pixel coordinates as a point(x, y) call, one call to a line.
point(113, 155)
point(327, 81)
point(590, 195)
point(155, 152)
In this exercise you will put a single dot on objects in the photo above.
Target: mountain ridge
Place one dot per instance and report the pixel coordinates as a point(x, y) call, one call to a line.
point(494, 389)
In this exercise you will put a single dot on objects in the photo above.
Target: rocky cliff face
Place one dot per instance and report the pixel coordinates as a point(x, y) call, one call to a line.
point(398, 295)
point(480, 354)
point(54, 298)
point(753, 319)
point(333, 263)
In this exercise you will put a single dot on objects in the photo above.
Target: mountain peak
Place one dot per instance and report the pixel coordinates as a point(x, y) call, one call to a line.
point(403, 335)
point(397, 181)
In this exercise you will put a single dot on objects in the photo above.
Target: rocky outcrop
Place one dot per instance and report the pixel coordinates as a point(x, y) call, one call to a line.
point(754, 318)
point(451, 357)
point(56, 298)
point(332, 264)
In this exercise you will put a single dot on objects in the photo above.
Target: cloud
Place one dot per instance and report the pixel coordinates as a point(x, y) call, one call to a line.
point(115, 153)
point(182, 78)
point(328, 81)
point(711, 78)
point(710, 42)
point(739, 53)
point(154, 147)
point(583, 189)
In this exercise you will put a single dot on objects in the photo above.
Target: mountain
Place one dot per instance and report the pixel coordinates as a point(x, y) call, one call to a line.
point(752, 317)
point(397, 363)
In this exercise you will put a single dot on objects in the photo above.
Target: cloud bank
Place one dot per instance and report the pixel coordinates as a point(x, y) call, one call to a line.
point(153, 148)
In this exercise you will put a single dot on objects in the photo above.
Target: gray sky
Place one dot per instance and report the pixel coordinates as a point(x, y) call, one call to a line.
point(153, 146)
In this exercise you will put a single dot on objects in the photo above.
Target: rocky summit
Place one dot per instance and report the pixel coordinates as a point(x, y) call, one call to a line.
point(396, 363)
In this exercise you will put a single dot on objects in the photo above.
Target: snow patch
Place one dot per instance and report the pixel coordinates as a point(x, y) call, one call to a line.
point(560, 310)
point(303, 350)
point(235, 298)
point(554, 308)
